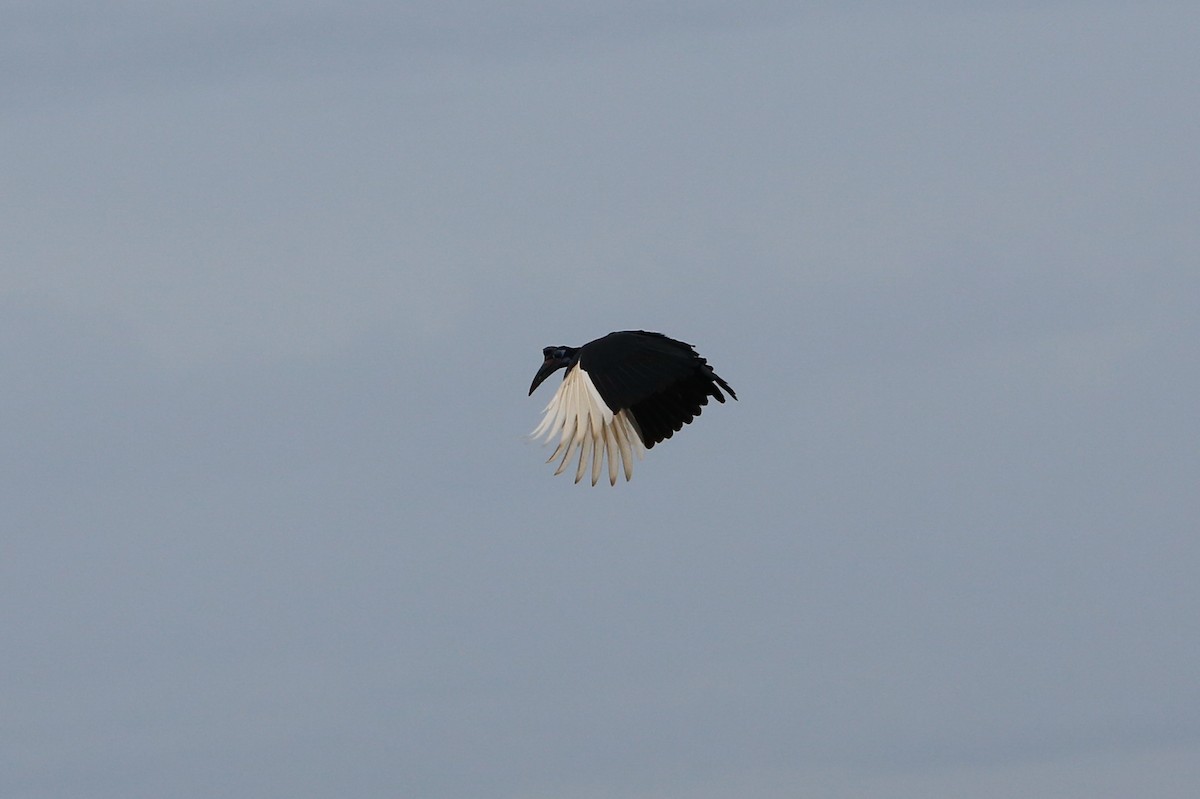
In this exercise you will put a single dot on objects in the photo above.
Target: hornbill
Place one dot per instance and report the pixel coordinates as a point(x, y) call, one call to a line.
point(622, 394)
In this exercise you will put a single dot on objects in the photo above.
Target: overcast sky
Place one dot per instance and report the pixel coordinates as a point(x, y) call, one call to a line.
point(274, 280)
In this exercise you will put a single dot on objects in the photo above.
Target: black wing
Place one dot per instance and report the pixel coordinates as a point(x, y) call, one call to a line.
point(663, 382)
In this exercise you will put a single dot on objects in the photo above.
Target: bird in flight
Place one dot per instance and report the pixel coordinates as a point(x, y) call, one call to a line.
point(621, 395)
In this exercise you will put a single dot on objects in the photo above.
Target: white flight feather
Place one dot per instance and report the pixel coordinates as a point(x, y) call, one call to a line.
point(588, 430)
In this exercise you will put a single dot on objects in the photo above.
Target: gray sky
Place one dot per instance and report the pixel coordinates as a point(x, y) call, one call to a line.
point(276, 278)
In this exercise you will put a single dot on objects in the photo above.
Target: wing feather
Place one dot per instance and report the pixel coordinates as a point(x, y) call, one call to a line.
point(588, 432)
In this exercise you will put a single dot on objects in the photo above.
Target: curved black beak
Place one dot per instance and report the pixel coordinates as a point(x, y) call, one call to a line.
point(548, 368)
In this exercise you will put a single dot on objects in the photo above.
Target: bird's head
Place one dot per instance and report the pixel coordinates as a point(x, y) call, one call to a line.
point(556, 358)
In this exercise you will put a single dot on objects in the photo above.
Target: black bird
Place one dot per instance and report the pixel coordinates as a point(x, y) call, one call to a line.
point(622, 394)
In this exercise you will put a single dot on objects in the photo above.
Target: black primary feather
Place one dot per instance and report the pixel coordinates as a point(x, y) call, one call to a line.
point(663, 383)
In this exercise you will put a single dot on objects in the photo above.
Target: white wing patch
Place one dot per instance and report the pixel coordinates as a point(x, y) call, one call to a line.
point(583, 422)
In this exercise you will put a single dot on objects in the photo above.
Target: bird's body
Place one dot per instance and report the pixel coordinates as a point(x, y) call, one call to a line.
point(621, 395)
